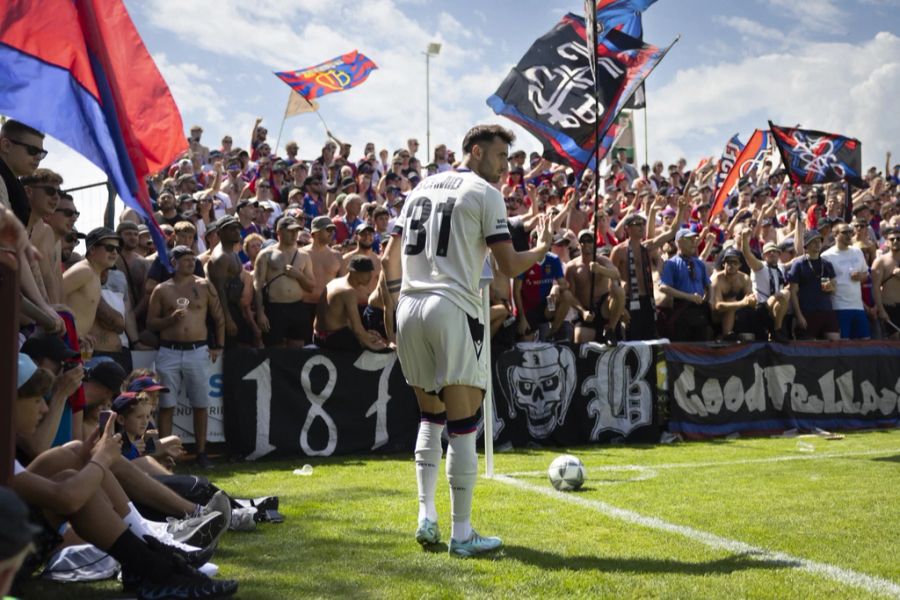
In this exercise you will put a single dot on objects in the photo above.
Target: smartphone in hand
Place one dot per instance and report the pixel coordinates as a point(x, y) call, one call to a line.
point(104, 419)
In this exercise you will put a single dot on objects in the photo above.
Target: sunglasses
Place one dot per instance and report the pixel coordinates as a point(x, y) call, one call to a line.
point(48, 189)
point(68, 212)
point(109, 247)
point(894, 239)
point(31, 150)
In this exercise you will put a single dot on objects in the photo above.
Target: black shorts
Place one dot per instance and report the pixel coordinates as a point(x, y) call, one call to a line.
point(690, 322)
point(818, 323)
point(643, 322)
point(537, 315)
point(287, 321)
point(342, 339)
point(893, 313)
point(311, 308)
point(373, 320)
point(245, 334)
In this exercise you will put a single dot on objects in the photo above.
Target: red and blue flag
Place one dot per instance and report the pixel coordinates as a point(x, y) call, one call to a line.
point(336, 75)
point(752, 155)
point(726, 163)
point(79, 71)
point(817, 157)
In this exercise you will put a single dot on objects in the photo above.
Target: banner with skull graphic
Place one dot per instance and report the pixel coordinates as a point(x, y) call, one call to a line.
point(562, 394)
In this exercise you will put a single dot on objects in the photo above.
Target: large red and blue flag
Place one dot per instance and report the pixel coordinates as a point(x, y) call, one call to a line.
point(78, 70)
point(753, 155)
point(336, 75)
point(625, 15)
point(551, 92)
point(726, 163)
point(818, 157)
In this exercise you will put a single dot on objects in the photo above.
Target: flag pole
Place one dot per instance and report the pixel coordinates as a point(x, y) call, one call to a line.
point(283, 119)
point(489, 391)
point(591, 22)
point(646, 135)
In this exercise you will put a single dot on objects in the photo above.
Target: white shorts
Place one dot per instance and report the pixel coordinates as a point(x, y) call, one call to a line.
point(439, 344)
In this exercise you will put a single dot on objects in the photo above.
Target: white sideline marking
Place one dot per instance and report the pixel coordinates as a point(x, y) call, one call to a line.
point(724, 463)
point(869, 583)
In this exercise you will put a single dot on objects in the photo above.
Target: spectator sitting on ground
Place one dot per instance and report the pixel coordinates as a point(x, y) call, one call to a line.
point(338, 325)
point(732, 298)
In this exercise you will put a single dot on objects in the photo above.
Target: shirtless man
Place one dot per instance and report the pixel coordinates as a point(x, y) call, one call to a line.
point(338, 325)
point(327, 263)
point(178, 310)
point(365, 239)
point(282, 273)
point(42, 190)
point(81, 283)
point(886, 286)
point(608, 302)
point(224, 272)
point(62, 222)
point(132, 263)
point(633, 258)
point(731, 297)
point(115, 317)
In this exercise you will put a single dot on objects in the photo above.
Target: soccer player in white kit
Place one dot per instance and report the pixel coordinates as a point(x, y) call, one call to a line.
point(440, 243)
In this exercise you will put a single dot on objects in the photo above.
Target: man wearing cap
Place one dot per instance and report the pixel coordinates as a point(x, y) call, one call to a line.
point(132, 263)
point(773, 297)
point(634, 260)
point(731, 297)
point(812, 284)
point(42, 191)
point(224, 270)
point(365, 241)
point(178, 310)
point(338, 324)
point(281, 274)
point(850, 270)
point(346, 224)
point(81, 283)
point(608, 303)
point(115, 326)
point(685, 280)
point(49, 352)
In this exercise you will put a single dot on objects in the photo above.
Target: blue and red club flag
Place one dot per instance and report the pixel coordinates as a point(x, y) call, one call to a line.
point(750, 157)
point(78, 70)
point(726, 163)
point(336, 75)
point(551, 92)
point(818, 157)
point(624, 15)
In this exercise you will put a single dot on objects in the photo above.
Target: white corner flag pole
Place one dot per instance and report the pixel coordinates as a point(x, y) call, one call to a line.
point(488, 393)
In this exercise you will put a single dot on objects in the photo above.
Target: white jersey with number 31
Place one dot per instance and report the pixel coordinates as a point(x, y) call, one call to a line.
point(445, 227)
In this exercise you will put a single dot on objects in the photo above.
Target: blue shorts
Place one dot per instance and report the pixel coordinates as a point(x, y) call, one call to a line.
point(854, 324)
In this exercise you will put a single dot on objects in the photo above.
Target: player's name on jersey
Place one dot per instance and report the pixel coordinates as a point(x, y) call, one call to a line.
point(438, 183)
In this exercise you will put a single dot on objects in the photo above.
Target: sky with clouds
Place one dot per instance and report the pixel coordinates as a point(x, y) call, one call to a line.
point(832, 65)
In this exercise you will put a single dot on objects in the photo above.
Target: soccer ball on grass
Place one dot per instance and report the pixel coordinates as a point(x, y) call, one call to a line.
point(566, 473)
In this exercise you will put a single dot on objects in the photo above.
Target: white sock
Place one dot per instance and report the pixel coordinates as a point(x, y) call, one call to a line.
point(462, 473)
point(428, 461)
point(136, 523)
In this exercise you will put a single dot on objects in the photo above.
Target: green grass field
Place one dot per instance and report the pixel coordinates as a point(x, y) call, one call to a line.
point(747, 518)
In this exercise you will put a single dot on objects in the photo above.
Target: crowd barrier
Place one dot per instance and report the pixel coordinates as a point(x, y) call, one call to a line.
point(321, 403)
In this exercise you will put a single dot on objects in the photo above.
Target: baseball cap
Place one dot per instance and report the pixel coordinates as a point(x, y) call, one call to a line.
point(124, 401)
point(126, 226)
point(26, 370)
point(140, 229)
point(811, 236)
point(731, 253)
point(97, 235)
point(560, 239)
point(225, 221)
point(108, 374)
point(347, 182)
point(633, 218)
point(364, 227)
point(361, 264)
point(321, 223)
point(294, 192)
point(17, 531)
point(769, 247)
point(146, 384)
point(669, 212)
point(585, 233)
point(683, 233)
point(48, 346)
point(181, 251)
point(246, 202)
point(288, 222)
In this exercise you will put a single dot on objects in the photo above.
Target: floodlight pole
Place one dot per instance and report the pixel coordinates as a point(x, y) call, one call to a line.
point(433, 50)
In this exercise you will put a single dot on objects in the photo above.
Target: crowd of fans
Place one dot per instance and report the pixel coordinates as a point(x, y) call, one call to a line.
point(269, 251)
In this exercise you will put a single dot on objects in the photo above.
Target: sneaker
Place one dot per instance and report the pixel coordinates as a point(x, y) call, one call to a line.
point(428, 532)
point(203, 461)
point(242, 519)
point(474, 545)
point(192, 555)
point(200, 531)
point(184, 582)
point(218, 503)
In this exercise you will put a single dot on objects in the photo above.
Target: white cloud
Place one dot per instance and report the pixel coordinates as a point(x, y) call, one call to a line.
point(191, 87)
point(815, 15)
point(750, 28)
point(843, 88)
